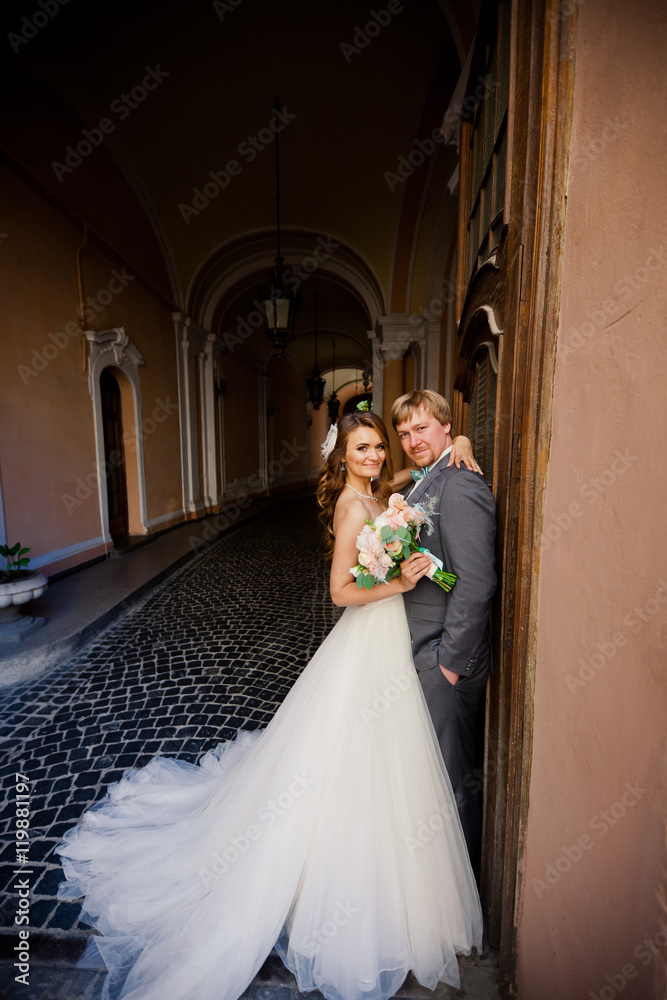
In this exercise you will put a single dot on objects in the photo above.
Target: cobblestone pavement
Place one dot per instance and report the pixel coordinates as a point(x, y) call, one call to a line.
point(214, 650)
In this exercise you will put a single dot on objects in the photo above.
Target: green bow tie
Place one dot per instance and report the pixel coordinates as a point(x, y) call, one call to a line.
point(419, 473)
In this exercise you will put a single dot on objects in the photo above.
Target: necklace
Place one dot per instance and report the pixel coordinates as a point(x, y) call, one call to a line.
point(365, 495)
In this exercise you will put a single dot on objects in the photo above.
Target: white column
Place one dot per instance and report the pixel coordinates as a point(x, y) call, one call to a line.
point(191, 342)
point(264, 444)
point(203, 374)
point(219, 390)
point(3, 535)
point(378, 371)
point(208, 409)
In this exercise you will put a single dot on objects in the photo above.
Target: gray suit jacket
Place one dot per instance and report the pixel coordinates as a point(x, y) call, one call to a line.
point(452, 629)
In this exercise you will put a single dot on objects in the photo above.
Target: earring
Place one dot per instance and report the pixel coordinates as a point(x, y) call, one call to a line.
point(342, 466)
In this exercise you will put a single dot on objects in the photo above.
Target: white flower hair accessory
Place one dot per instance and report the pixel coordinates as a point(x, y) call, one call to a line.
point(329, 442)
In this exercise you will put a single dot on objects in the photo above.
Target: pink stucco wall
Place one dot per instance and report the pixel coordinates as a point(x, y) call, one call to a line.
point(589, 916)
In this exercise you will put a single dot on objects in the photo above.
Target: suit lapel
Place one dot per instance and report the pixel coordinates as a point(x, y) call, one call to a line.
point(429, 484)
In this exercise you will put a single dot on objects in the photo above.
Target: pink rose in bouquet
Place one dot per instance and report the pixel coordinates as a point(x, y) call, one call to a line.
point(384, 543)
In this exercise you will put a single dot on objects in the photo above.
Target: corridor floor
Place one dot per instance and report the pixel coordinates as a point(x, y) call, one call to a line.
point(214, 650)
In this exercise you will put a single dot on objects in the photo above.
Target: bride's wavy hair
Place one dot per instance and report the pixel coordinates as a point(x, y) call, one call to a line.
point(332, 477)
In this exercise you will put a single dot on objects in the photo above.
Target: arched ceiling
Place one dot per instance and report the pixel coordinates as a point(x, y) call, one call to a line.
point(358, 89)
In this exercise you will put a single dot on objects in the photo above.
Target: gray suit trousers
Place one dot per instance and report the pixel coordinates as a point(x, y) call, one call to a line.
point(455, 711)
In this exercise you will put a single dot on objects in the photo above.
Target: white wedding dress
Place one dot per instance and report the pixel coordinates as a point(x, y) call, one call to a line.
point(332, 835)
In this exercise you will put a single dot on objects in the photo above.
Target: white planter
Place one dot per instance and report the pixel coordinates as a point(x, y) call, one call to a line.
point(15, 626)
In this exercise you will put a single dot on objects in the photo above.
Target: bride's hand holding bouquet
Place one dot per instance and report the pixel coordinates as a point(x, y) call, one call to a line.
point(385, 543)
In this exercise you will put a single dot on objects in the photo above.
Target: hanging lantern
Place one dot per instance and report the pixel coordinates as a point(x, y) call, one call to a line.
point(280, 303)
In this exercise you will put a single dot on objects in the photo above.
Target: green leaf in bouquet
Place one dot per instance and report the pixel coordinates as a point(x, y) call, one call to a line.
point(406, 551)
point(360, 581)
point(368, 581)
point(404, 534)
point(386, 532)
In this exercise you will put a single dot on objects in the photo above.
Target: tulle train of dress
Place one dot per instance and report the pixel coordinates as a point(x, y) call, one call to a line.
point(332, 835)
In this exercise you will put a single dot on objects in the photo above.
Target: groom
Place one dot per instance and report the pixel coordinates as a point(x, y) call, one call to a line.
point(451, 645)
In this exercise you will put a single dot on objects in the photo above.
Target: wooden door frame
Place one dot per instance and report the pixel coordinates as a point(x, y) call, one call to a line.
point(521, 286)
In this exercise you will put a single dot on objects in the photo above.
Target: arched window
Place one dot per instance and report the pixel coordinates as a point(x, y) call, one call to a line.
point(482, 409)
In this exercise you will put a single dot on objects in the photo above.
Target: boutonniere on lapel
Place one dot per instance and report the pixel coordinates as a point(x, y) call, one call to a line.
point(385, 542)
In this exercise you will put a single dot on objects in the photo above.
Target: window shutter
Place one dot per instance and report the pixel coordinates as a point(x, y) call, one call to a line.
point(482, 414)
point(484, 210)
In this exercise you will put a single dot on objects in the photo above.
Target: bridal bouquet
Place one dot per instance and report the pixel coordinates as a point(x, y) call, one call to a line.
point(387, 541)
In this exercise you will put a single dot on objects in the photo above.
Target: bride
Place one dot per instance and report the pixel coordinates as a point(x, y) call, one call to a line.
point(331, 835)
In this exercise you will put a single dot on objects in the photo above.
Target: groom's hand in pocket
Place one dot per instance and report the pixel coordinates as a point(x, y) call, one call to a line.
point(449, 674)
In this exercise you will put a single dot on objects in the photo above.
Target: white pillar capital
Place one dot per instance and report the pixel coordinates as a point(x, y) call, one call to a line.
point(396, 333)
point(191, 337)
point(393, 337)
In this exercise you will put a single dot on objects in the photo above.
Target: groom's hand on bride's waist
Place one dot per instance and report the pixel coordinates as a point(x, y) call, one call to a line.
point(449, 674)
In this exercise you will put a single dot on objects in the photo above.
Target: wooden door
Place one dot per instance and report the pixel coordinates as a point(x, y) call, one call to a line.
point(114, 454)
point(512, 205)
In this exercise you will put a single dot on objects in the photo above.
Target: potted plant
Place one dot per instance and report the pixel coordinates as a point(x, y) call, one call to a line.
point(18, 585)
